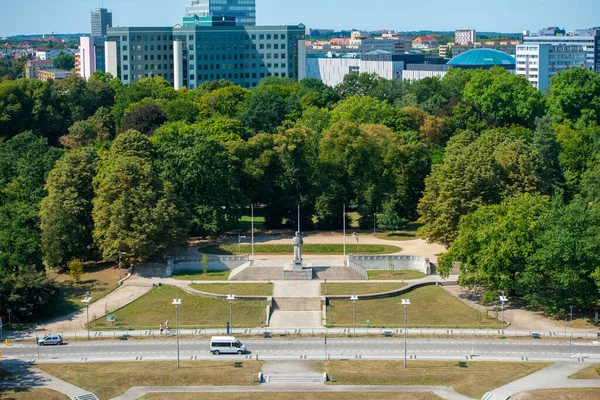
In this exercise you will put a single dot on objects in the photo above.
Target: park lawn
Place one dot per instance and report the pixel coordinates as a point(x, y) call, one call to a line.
point(241, 289)
point(561, 394)
point(592, 372)
point(431, 306)
point(284, 249)
point(396, 275)
point(99, 280)
point(201, 276)
point(470, 378)
point(409, 233)
point(108, 380)
point(245, 223)
point(32, 394)
point(195, 312)
point(334, 289)
point(293, 396)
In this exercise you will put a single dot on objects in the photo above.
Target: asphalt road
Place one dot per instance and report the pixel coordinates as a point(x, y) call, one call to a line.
point(304, 348)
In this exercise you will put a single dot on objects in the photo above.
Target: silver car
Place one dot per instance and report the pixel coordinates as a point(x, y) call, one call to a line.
point(50, 339)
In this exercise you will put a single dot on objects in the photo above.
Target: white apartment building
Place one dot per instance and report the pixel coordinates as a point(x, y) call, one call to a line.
point(50, 54)
point(465, 36)
point(539, 62)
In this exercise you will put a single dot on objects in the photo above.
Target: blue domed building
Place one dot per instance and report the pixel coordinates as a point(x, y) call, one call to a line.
point(483, 58)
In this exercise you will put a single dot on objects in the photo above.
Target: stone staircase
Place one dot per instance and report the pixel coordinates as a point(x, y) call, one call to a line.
point(240, 269)
point(297, 303)
point(252, 273)
point(337, 274)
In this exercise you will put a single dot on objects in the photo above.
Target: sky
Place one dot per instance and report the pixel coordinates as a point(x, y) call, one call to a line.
point(73, 16)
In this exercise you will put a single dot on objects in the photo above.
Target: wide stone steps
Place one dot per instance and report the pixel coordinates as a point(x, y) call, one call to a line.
point(297, 303)
point(337, 274)
point(259, 274)
point(308, 378)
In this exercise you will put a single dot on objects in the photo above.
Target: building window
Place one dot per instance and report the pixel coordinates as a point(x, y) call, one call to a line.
point(124, 38)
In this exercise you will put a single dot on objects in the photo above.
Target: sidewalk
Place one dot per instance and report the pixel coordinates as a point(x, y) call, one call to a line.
point(445, 392)
point(31, 377)
point(556, 376)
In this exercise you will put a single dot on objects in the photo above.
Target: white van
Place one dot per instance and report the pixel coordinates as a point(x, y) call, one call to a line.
point(226, 344)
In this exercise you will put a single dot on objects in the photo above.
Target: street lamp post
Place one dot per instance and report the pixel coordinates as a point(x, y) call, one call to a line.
point(87, 311)
point(571, 307)
point(405, 303)
point(121, 253)
point(9, 323)
point(355, 236)
point(344, 229)
point(231, 298)
point(503, 299)
point(177, 303)
point(354, 299)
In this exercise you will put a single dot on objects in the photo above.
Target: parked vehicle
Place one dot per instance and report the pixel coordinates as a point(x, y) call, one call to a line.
point(50, 339)
point(226, 345)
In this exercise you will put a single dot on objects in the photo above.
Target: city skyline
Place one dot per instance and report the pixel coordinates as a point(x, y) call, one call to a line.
point(62, 16)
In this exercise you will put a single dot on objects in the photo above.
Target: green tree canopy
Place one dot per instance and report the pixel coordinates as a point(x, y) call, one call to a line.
point(477, 170)
point(574, 94)
point(66, 213)
point(504, 98)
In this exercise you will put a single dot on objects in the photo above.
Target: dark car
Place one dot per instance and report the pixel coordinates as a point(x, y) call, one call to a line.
point(50, 339)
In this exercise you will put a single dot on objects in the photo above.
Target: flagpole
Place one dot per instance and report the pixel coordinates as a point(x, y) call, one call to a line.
point(298, 217)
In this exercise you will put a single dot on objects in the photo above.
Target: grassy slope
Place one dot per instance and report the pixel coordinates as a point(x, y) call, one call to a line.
point(431, 306)
point(108, 380)
point(155, 307)
point(472, 378)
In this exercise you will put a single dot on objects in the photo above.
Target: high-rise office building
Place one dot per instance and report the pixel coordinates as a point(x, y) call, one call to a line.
point(186, 56)
point(244, 11)
point(101, 19)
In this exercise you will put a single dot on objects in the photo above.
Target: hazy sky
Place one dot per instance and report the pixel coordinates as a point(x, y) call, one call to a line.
point(72, 16)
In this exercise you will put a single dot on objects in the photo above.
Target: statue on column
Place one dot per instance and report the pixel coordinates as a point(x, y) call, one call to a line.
point(297, 242)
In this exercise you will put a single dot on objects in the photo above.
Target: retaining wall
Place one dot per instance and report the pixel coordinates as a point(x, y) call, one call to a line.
point(400, 263)
point(215, 263)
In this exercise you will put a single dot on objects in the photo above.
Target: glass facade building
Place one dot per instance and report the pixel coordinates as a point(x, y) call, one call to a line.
point(101, 20)
point(189, 55)
point(244, 11)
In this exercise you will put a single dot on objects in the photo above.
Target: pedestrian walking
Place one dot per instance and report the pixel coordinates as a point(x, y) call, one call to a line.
point(160, 328)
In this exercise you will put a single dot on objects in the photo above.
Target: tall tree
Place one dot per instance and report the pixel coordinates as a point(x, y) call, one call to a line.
point(133, 209)
point(574, 94)
point(66, 213)
point(477, 170)
point(504, 98)
point(25, 161)
point(204, 175)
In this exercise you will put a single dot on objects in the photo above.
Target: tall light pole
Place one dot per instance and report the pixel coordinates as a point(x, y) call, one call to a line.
point(355, 236)
point(344, 229)
point(503, 299)
point(354, 299)
point(231, 298)
point(177, 303)
point(405, 303)
point(121, 253)
point(571, 307)
point(252, 219)
point(87, 311)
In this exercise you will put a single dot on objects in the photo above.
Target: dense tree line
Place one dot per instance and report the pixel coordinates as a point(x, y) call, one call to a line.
point(494, 169)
